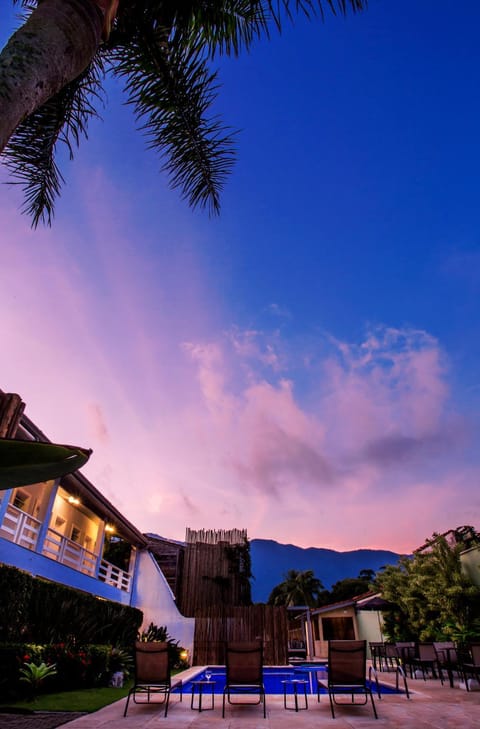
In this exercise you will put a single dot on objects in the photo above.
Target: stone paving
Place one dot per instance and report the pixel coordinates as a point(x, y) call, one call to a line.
point(431, 706)
point(37, 720)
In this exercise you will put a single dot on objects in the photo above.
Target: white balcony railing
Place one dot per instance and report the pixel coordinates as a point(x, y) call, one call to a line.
point(69, 553)
point(20, 527)
point(23, 529)
point(114, 576)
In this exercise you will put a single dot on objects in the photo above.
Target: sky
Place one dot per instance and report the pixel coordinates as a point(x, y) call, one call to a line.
point(306, 365)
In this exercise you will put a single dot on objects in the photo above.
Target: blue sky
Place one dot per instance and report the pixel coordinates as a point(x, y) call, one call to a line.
point(306, 365)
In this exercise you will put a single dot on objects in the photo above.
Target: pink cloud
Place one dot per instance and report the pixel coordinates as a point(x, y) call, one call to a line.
point(342, 444)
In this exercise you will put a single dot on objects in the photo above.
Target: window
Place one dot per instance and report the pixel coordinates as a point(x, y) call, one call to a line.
point(338, 629)
point(20, 499)
point(59, 523)
point(75, 535)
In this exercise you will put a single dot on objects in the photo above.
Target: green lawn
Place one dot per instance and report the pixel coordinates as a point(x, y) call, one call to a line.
point(83, 700)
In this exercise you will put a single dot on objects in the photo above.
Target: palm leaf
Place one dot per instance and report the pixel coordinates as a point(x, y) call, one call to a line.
point(171, 88)
point(161, 48)
point(30, 153)
point(26, 462)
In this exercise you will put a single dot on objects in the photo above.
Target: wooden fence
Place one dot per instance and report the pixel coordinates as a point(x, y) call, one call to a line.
point(217, 625)
point(211, 576)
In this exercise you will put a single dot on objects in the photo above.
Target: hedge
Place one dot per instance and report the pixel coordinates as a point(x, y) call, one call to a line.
point(34, 610)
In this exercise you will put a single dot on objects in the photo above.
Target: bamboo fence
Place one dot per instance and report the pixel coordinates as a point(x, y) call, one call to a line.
point(219, 624)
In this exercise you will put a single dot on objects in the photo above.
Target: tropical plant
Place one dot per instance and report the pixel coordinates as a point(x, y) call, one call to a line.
point(35, 674)
point(298, 588)
point(120, 660)
point(25, 462)
point(434, 598)
point(160, 634)
point(52, 69)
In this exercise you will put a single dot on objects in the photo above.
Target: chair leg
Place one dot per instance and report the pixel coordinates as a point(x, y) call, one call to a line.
point(126, 705)
point(331, 703)
point(167, 699)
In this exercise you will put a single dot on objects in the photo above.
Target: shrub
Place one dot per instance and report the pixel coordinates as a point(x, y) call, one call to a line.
point(35, 674)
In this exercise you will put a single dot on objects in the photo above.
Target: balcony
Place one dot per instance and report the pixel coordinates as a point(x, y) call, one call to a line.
point(69, 553)
point(73, 555)
point(23, 529)
point(20, 527)
point(112, 575)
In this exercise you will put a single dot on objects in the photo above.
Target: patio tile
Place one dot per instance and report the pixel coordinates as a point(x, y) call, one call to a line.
point(432, 706)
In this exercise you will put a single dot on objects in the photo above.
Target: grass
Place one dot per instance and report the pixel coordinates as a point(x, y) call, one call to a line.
point(82, 700)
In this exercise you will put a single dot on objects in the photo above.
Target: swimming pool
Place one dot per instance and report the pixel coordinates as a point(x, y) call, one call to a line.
point(273, 677)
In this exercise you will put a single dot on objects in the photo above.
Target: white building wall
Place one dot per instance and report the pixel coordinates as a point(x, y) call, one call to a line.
point(152, 595)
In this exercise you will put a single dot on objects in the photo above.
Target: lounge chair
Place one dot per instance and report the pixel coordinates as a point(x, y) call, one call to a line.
point(152, 674)
point(406, 652)
point(448, 657)
point(378, 654)
point(426, 660)
point(471, 667)
point(347, 667)
point(244, 666)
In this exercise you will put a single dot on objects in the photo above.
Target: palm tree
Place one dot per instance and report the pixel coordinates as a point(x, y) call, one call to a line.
point(52, 69)
point(298, 588)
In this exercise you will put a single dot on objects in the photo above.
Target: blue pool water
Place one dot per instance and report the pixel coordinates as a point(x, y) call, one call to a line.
point(273, 677)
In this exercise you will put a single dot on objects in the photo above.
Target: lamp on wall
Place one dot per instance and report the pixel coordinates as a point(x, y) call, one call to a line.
point(109, 528)
point(73, 500)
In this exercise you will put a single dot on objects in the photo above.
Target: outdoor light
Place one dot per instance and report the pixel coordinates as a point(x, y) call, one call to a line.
point(109, 528)
point(73, 500)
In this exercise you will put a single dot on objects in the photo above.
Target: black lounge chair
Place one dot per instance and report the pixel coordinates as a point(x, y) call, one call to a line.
point(425, 660)
point(347, 667)
point(471, 667)
point(448, 658)
point(244, 665)
point(152, 674)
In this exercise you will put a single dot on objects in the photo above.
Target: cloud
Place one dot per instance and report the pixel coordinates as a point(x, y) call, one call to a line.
point(307, 438)
point(279, 311)
point(379, 402)
point(97, 422)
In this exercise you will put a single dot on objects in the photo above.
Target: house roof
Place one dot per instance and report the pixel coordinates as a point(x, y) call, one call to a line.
point(351, 602)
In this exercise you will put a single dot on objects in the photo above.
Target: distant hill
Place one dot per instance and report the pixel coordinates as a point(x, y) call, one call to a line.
point(271, 561)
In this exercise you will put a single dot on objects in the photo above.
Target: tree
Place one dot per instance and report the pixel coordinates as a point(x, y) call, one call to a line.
point(350, 587)
point(52, 69)
point(435, 599)
point(298, 588)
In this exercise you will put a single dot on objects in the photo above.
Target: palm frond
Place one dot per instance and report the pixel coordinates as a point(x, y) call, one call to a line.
point(310, 8)
point(225, 28)
point(30, 153)
point(171, 88)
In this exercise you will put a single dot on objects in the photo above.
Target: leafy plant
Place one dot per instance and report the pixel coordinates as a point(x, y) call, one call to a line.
point(160, 634)
point(435, 599)
point(120, 660)
point(35, 674)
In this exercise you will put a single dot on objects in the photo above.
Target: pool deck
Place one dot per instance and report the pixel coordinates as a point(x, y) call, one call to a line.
point(431, 706)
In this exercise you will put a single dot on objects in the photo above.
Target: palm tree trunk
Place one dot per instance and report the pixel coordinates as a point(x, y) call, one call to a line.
point(53, 47)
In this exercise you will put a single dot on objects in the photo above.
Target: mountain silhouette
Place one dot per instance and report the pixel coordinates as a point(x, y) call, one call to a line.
point(272, 560)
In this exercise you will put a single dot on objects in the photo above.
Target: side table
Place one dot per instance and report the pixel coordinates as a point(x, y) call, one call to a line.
point(296, 684)
point(198, 689)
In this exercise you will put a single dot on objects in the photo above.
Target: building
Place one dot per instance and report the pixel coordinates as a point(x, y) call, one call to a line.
point(68, 532)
